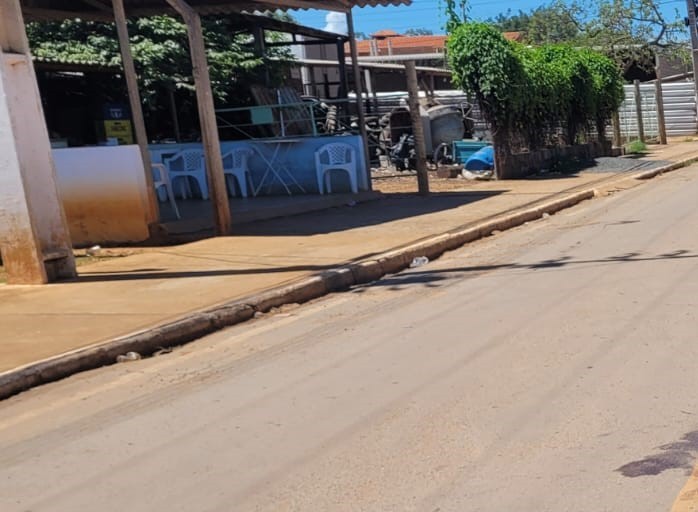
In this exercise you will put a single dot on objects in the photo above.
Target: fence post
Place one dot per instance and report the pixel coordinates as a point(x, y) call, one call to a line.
point(417, 128)
point(638, 111)
point(659, 96)
point(617, 137)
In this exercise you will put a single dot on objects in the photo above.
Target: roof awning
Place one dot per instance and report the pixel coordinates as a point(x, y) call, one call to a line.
point(100, 10)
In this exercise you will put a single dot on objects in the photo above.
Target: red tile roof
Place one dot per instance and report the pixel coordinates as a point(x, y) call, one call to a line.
point(401, 45)
point(513, 36)
point(384, 33)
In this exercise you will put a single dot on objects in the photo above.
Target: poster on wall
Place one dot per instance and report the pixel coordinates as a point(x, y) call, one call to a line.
point(117, 124)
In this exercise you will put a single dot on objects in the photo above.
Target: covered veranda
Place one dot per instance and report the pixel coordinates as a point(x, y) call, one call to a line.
point(34, 237)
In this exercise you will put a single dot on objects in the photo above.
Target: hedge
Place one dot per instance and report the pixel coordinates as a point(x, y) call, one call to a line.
point(534, 97)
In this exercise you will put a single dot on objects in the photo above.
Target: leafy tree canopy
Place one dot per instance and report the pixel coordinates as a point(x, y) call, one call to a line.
point(160, 49)
point(419, 32)
point(627, 30)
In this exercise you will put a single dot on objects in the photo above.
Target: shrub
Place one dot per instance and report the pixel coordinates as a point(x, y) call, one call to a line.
point(534, 97)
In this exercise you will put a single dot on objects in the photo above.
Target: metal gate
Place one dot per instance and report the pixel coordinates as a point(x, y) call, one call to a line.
point(679, 110)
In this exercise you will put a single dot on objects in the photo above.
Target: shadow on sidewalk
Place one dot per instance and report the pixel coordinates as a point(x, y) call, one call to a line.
point(392, 207)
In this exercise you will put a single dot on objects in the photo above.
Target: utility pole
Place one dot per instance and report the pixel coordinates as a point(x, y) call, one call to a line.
point(691, 21)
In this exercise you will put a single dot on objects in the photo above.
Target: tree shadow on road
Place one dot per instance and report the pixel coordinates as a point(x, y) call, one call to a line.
point(432, 278)
point(677, 455)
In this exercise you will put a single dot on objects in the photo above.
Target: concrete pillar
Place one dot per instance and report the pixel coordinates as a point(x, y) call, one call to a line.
point(34, 237)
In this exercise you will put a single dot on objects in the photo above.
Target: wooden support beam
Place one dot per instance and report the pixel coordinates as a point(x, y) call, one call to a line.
point(342, 60)
point(417, 128)
point(97, 5)
point(41, 14)
point(207, 118)
point(173, 113)
point(371, 89)
point(134, 99)
point(358, 89)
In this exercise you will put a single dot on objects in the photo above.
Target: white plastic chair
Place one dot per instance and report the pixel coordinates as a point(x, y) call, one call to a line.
point(335, 156)
point(161, 178)
point(186, 164)
point(235, 165)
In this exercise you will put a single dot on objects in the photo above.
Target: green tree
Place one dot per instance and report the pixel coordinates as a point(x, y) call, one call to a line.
point(511, 22)
point(631, 31)
point(419, 32)
point(456, 13)
point(552, 23)
point(160, 50)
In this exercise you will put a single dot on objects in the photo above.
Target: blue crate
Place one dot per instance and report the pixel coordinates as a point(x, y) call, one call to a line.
point(464, 149)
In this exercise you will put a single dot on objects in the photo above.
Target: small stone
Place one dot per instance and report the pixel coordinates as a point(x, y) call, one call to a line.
point(546, 215)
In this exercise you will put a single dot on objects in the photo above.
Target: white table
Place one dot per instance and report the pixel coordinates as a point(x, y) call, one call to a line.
point(276, 163)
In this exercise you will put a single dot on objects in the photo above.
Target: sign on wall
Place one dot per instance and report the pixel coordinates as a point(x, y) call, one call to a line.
point(117, 123)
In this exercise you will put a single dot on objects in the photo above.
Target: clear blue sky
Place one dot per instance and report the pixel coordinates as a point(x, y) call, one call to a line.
point(429, 14)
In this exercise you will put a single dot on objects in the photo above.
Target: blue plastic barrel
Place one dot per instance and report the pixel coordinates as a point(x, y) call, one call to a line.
point(481, 160)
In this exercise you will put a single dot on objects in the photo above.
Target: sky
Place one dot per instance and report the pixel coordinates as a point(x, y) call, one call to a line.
point(424, 14)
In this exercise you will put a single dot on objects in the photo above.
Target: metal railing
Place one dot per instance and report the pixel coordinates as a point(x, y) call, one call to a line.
point(309, 118)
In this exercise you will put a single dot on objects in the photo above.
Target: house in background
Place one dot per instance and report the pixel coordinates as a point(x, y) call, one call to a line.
point(388, 46)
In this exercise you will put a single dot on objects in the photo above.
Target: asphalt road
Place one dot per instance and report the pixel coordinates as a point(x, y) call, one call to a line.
point(549, 368)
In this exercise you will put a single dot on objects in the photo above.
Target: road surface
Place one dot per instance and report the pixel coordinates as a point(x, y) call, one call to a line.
point(549, 368)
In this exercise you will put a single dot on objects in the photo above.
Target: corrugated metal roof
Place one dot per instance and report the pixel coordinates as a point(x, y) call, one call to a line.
point(62, 9)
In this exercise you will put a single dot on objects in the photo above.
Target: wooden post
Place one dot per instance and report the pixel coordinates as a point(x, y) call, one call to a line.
point(260, 50)
point(173, 113)
point(638, 111)
point(661, 120)
point(342, 59)
point(617, 136)
point(207, 118)
point(417, 128)
point(359, 95)
point(134, 99)
point(659, 96)
point(371, 88)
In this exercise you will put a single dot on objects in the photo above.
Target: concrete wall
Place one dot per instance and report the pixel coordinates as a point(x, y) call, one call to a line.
point(521, 165)
point(103, 193)
point(298, 155)
point(103, 189)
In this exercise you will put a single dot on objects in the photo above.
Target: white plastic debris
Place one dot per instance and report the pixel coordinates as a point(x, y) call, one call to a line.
point(481, 175)
point(419, 261)
point(128, 356)
point(94, 250)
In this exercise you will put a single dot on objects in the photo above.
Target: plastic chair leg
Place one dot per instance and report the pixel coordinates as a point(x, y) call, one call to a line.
point(353, 181)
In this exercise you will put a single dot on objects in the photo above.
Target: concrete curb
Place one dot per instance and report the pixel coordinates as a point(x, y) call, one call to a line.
point(200, 323)
point(646, 175)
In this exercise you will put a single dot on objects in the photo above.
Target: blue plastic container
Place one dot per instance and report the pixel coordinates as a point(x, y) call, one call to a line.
point(481, 160)
point(464, 149)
